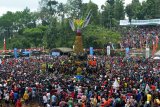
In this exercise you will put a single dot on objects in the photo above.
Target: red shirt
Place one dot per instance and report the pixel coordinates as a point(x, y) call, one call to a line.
point(72, 94)
point(18, 103)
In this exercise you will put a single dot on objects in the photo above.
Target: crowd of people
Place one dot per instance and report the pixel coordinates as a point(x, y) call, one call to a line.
point(64, 82)
point(139, 37)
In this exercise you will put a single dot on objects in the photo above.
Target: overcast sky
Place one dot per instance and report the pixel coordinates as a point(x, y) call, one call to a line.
point(18, 5)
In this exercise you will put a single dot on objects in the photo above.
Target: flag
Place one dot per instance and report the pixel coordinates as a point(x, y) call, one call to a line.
point(91, 50)
point(86, 22)
point(87, 19)
point(108, 50)
point(127, 52)
point(15, 53)
point(157, 41)
point(4, 45)
point(154, 48)
point(72, 25)
point(147, 52)
point(113, 46)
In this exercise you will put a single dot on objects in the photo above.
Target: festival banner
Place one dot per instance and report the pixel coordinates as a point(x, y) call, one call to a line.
point(15, 53)
point(147, 53)
point(127, 52)
point(154, 48)
point(91, 50)
point(4, 45)
point(108, 50)
point(140, 22)
point(0, 61)
point(157, 42)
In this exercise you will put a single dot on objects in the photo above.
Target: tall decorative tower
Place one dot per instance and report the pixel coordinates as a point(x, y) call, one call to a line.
point(77, 25)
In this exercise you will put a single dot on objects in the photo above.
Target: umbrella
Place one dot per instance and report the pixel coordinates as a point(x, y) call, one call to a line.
point(156, 57)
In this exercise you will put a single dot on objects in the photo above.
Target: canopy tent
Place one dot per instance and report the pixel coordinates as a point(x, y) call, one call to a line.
point(140, 22)
point(62, 49)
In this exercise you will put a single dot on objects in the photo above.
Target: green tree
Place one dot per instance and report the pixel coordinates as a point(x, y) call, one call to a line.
point(97, 36)
point(136, 7)
point(94, 11)
point(149, 9)
point(34, 35)
point(84, 9)
point(129, 11)
point(6, 23)
point(112, 12)
point(73, 8)
point(119, 13)
point(105, 19)
point(152, 9)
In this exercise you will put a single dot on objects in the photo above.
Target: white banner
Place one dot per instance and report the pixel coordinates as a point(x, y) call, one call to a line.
point(140, 22)
point(147, 53)
point(108, 50)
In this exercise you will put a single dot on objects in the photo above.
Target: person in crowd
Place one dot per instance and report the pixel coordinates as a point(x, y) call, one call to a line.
point(45, 100)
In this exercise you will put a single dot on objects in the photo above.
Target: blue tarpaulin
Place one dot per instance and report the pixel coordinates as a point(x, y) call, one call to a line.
point(79, 77)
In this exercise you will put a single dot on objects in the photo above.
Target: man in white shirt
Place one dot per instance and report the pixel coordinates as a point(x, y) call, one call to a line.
point(6, 99)
point(44, 100)
point(48, 97)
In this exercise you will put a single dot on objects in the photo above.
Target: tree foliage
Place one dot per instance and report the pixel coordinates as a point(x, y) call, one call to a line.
point(112, 11)
point(149, 9)
point(97, 36)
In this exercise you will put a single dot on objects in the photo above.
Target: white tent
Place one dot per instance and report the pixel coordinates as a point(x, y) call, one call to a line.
point(157, 53)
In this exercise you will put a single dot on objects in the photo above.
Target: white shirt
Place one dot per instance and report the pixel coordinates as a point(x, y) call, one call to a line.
point(44, 99)
point(48, 96)
point(48, 105)
point(6, 97)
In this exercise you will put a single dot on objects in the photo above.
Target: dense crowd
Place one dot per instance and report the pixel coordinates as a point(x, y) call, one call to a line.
point(139, 37)
point(27, 80)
